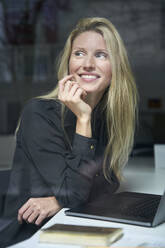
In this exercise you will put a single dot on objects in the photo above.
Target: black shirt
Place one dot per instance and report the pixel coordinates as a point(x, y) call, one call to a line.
point(52, 160)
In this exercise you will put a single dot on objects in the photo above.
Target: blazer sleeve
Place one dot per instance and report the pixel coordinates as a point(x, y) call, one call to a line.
point(68, 173)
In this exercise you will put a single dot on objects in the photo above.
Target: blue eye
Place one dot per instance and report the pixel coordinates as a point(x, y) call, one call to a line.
point(79, 53)
point(101, 55)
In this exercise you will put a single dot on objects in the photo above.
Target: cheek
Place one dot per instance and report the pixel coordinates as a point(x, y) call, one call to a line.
point(108, 71)
point(70, 66)
point(108, 75)
point(106, 68)
point(73, 66)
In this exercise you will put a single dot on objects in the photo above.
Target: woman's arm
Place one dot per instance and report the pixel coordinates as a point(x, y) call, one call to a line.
point(34, 210)
point(68, 173)
point(72, 95)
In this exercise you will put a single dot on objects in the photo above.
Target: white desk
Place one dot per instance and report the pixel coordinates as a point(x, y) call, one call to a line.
point(140, 176)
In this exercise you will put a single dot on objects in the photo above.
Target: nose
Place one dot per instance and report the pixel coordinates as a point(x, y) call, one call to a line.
point(89, 63)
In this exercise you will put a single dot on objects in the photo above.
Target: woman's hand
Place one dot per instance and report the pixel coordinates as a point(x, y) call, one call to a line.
point(35, 210)
point(72, 95)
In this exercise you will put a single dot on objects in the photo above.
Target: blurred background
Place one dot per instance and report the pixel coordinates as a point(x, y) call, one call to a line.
point(33, 32)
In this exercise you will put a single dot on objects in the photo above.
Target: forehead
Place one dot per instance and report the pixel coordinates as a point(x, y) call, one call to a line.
point(89, 39)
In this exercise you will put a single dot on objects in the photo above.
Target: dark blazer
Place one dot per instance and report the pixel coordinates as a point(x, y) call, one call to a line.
point(51, 160)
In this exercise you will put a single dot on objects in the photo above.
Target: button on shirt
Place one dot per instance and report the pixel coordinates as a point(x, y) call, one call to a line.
point(92, 147)
point(53, 160)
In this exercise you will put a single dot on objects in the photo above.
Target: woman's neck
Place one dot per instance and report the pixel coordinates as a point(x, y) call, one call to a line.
point(93, 99)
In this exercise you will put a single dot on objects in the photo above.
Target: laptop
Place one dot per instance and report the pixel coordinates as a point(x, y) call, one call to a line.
point(125, 207)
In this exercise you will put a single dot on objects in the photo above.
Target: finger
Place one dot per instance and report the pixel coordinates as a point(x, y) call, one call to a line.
point(74, 88)
point(67, 87)
point(34, 215)
point(83, 95)
point(63, 81)
point(41, 217)
point(79, 93)
point(21, 211)
point(27, 213)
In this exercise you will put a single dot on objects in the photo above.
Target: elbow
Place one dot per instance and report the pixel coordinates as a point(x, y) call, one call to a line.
point(75, 191)
point(72, 197)
point(75, 199)
point(78, 193)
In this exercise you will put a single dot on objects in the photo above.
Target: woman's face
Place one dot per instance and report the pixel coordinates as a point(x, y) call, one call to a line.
point(90, 63)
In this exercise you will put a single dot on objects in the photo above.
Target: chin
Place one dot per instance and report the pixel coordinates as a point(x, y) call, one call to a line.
point(88, 86)
point(88, 89)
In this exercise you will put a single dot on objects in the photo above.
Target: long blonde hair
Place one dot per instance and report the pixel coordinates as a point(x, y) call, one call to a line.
point(120, 101)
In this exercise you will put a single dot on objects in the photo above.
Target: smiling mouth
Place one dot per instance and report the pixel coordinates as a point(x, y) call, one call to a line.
point(89, 76)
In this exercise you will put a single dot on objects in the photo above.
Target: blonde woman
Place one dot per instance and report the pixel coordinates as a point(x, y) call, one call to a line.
point(73, 142)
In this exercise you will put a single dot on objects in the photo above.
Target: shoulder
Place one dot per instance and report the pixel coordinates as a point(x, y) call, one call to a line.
point(37, 112)
point(40, 105)
point(43, 107)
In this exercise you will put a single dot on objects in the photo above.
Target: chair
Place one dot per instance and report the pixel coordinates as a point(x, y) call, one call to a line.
point(4, 181)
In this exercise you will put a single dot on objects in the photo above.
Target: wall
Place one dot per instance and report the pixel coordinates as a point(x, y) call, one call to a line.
point(140, 24)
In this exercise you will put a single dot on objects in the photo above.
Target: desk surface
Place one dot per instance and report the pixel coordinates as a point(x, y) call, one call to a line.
point(139, 176)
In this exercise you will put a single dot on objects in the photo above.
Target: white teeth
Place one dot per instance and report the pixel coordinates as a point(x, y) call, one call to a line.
point(89, 76)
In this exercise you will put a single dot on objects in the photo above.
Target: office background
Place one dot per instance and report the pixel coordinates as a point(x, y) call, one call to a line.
point(33, 32)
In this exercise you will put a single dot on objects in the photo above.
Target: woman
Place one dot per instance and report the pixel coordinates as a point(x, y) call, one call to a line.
point(73, 142)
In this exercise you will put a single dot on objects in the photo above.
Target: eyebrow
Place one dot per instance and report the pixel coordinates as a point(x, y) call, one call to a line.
point(78, 48)
point(102, 50)
point(98, 50)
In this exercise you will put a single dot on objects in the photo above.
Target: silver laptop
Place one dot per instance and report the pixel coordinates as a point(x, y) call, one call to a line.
point(125, 207)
